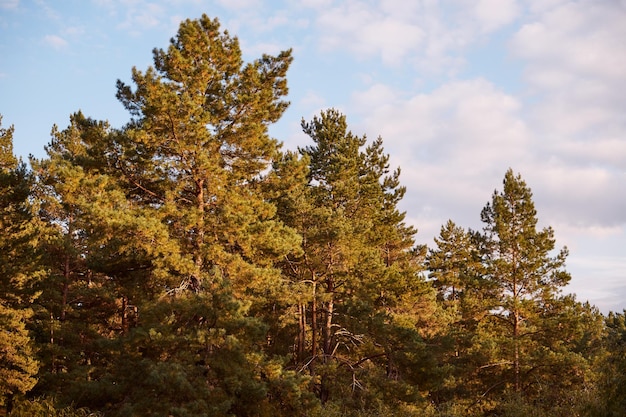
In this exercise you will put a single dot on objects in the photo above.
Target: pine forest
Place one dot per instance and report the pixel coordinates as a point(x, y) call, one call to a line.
point(187, 265)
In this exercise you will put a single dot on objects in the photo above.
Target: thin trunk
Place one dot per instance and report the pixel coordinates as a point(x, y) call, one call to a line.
point(67, 272)
point(327, 339)
point(301, 332)
point(53, 359)
point(326, 347)
point(314, 323)
point(516, 323)
point(330, 305)
point(328, 320)
point(66, 285)
point(516, 329)
point(199, 241)
point(67, 269)
point(516, 348)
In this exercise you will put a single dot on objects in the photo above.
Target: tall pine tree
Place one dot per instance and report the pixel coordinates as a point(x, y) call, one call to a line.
point(517, 342)
point(19, 273)
point(192, 159)
point(541, 341)
point(169, 241)
point(361, 305)
point(528, 277)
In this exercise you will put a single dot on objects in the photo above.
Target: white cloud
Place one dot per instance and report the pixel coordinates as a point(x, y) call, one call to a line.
point(540, 6)
point(108, 4)
point(575, 68)
point(312, 99)
point(258, 48)
point(589, 197)
point(453, 144)
point(494, 14)
point(430, 36)
point(9, 4)
point(368, 32)
point(316, 4)
point(55, 41)
point(147, 16)
point(48, 11)
point(586, 39)
point(575, 62)
point(600, 278)
point(456, 118)
point(240, 4)
point(136, 16)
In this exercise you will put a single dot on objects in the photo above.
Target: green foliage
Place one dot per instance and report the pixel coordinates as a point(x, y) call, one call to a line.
point(7, 159)
point(467, 296)
point(79, 303)
point(517, 346)
point(19, 272)
point(162, 242)
point(45, 407)
point(360, 306)
point(183, 265)
point(528, 281)
point(610, 389)
point(195, 150)
point(195, 355)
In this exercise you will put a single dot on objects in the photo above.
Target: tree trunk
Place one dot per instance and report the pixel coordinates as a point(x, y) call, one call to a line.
point(516, 365)
point(327, 339)
point(199, 238)
point(328, 320)
point(516, 330)
point(328, 324)
point(66, 285)
point(314, 324)
point(301, 332)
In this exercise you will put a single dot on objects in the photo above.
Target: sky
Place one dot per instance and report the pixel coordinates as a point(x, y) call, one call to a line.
point(459, 90)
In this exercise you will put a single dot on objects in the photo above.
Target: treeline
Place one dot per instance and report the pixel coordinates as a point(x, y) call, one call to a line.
point(185, 265)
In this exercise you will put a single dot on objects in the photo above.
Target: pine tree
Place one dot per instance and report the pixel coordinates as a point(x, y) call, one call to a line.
point(533, 337)
point(456, 268)
point(361, 305)
point(8, 161)
point(467, 296)
point(19, 272)
point(516, 343)
point(84, 295)
point(175, 224)
point(610, 393)
point(197, 144)
point(520, 264)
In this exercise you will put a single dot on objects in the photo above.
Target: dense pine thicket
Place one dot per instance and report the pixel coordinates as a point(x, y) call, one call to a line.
point(185, 265)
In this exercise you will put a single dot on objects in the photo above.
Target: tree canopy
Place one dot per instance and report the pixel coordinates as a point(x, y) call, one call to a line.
point(185, 265)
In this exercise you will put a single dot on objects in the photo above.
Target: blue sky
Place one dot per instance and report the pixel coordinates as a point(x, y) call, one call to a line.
point(460, 90)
